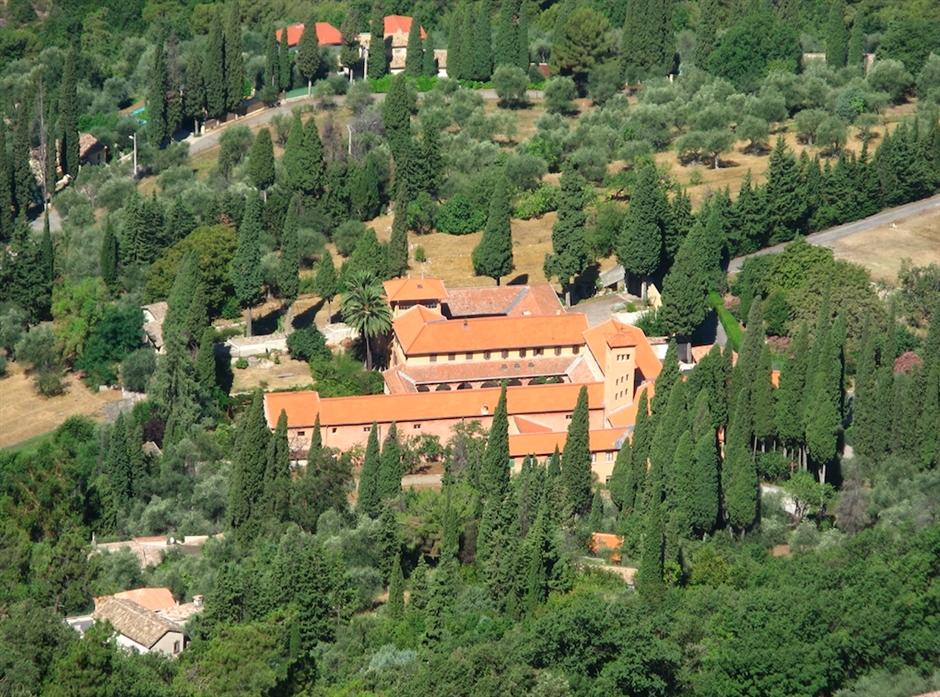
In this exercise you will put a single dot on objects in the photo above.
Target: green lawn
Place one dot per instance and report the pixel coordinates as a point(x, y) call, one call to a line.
point(730, 324)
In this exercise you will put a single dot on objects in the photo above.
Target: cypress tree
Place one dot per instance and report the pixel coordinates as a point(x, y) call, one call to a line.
point(668, 376)
point(194, 89)
point(927, 442)
point(315, 168)
point(681, 471)
point(246, 266)
point(157, 105)
point(326, 283)
point(522, 39)
point(368, 494)
point(640, 447)
point(686, 286)
point(621, 479)
point(554, 495)
point(68, 115)
point(261, 162)
point(492, 257)
point(855, 52)
point(677, 225)
point(792, 392)
point(823, 420)
point(495, 471)
point(108, 257)
point(246, 486)
point(377, 59)
point(213, 69)
point(762, 399)
point(418, 599)
point(396, 116)
point(705, 488)
point(431, 159)
point(640, 244)
point(118, 464)
point(670, 424)
point(707, 33)
point(277, 478)
point(389, 542)
point(272, 68)
point(649, 577)
point(364, 197)
point(836, 35)
point(648, 51)
point(749, 357)
point(576, 458)
point(396, 591)
point(390, 466)
point(428, 61)
point(482, 55)
point(570, 253)
point(24, 183)
point(205, 363)
point(234, 63)
point(458, 43)
point(316, 439)
point(397, 253)
point(738, 474)
point(293, 155)
point(285, 62)
point(6, 189)
point(414, 52)
point(308, 53)
point(506, 46)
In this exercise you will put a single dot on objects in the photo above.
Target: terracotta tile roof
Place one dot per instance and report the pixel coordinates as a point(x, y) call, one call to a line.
point(619, 335)
point(699, 352)
point(133, 621)
point(327, 34)
point(544, 444)
point(487, 370)
point(526, 425)
point(414, 289)
point(503, 300)
point(603, 541)
point(395, 382)
point(625, 417)
point(488, 333)
point(150, 598)
point(410, 323)
point(400, 24)
point(303, 407)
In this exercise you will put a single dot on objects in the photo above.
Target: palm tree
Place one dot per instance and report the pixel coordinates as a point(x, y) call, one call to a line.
point(365, 310)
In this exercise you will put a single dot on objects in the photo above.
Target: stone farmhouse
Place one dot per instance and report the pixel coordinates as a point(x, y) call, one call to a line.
point(452, 349)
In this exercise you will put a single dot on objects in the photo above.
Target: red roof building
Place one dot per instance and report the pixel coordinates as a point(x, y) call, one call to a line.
point(327, 34)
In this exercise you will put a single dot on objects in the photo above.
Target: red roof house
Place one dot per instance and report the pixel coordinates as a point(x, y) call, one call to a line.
point(327, 34)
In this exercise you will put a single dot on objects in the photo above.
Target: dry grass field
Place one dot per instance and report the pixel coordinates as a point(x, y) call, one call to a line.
point(286, 374)
point(25, 414)
point(881, 250)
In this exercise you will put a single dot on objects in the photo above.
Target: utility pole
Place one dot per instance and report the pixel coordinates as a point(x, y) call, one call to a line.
point(134, 138)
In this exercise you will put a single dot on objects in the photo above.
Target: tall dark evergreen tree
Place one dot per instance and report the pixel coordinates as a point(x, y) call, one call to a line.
point(368, 494)
point(705, 485)
point(108, 257)
point(414, 52)
point(397, 253)
point(213, 69)
point(649, 577)
point(205, 365)
point(640, 245)
point(739, 474)
point(68, 115)
point(6, 189)
point(492, 257)
point(24, 183)
point(785, 195)
point(667, 378)
point(396, 116)
point(648, 44)
point(261, 162)
point(762, 400)
point(157, 104)
point(326, 282)
point(396, 591)
point(272, 68)
point(277, 475)
point(576, 458)
point(246, 485)
point(377, 62)
point(640, 447)
point(288, 279)
point(686, 286)
point(390, 467)
point(247, 275)
point(621, 478)
point(570, 253)
point(308, 53)
point(234, 62)
point(495, 470)
point(792, 393)
point(837, 36)
point(482, 55)
point(285, 62)
point(428, 61)
point(855, 51)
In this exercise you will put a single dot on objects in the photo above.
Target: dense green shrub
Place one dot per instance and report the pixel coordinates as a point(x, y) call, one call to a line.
point(536, 203)
point(307, 344)
point(458, 216)
point(136, 369)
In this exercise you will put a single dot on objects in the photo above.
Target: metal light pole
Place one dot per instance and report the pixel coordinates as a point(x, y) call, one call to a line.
point(134, 138)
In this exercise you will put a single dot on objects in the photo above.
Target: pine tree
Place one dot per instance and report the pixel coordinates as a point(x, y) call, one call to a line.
point(397, 253)
point(213, 69)
point(414, 52)
point(308, 53)
point(368, 496)
point(288, 280)
point(492, 257)
point(836, 35)
point(234, 63)
point(785, 195)
point(396, 591)
point(377, 61)
point(246, 485)
point(261, 162)
point(482, 55)
point(640, 245)
point(570, 254)
point(277, 477)
point(247, 275)
point(495, 470)
point(390, 467)
point(68, 115)
point(855, 52)
point(738, 474)
point(285, 62)
point(108, 257)
point(576, 458)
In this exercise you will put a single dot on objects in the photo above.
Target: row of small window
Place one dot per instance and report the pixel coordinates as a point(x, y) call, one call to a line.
point(623, 356)
point(365, 429)
point(487, 355)
point(608, 457)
